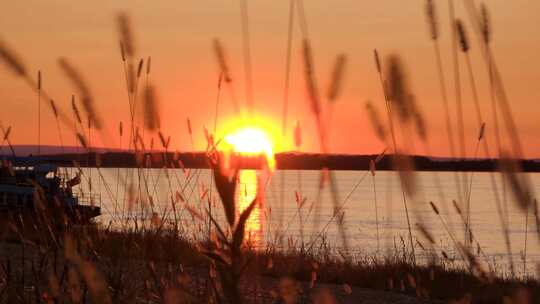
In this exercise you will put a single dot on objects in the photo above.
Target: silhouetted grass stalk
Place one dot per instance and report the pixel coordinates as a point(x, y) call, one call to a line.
point(373, 169)
point(395, 149)
point(459, 102)
point(434, 32)
point(285, 109)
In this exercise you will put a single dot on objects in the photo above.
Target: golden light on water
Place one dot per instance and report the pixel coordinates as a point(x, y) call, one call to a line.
point(251, 140)
point(246, 193)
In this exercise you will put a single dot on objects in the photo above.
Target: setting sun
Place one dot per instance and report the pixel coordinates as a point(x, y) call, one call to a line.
point(251, 140)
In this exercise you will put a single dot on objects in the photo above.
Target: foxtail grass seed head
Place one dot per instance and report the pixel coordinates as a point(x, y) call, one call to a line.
point(435, 209)
point(12, 60)
point(122, 52)
point(53, 107)
point(485, 23)
point(131, 77)
point(377, 61)
point(39, 80)
point(462, 36)
point(482, 131)
point(521, 188)
point(376, 122)
point(189, 126)
point(126, 35)
point(139, 69)
point(84, 91)
point(310, 79)
point(121, 129)
point(405, 166)
point(151, 112)
point(456, 206)
point(148, 65)
point(337, 78)
point(75, 109)
point(222, 61)
point(397, 87)
point(432, 19)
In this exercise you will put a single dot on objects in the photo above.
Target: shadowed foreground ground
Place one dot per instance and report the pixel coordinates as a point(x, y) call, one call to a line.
point(96, 266)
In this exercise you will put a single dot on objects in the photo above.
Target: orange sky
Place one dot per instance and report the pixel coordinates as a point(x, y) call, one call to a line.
point(178, 36)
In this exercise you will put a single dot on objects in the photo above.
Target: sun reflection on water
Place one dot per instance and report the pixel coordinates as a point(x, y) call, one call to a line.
point(246, 193)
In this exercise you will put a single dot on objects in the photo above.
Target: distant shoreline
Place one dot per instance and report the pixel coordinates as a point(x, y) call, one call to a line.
point(284, 161)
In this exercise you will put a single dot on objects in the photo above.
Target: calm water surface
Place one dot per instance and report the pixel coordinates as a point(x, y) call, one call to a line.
point(372, 208)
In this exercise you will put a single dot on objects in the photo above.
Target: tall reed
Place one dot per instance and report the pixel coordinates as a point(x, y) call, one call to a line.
point(432, 19)
point(39, 113)
point(372, 168)
point(458, 96)
point(286, 88)
point(396, 93)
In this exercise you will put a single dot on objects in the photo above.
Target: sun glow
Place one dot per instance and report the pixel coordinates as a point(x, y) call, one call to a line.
point(252, 141)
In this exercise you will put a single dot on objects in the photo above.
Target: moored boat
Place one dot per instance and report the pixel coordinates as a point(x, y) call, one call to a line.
point(34, 191)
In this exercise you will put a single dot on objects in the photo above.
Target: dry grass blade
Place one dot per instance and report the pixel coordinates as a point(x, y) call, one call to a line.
point(372, 167)
point(6, 133)
point(140, 68)
point(432, 19)
point(151, 111)
point(376, 121)
point(456, 206)
point(164, 141)
point(122, 51)
point(522, 190)
point(190, 131)
point(435, 209)
point(12, 60)
point(482, 131)
point(485, 24)
point(377, 61)
point(148, 65)
point(310, 79)
point(82, 140)
point(222, 60)
point(405, 166)
point(194, 213)
point(474, 264)
point(53, 107)
point(380, 156)
point(226, 186)
point(131, 77)
point(462, 35)
point(84, 91)
point(39, 80)
point(337, 78)
point(397, 87)
point(75, 110)
point(126, 35)
point(425, 232)
point(240, 229)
